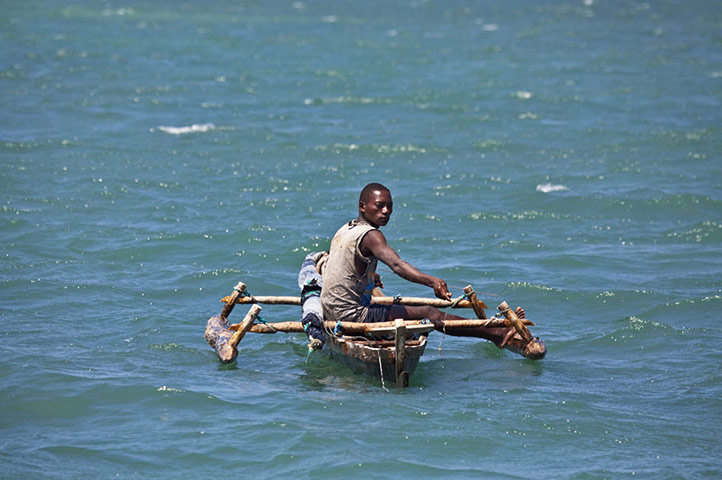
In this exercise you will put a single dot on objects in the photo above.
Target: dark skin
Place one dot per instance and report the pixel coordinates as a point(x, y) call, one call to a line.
point(377, 212)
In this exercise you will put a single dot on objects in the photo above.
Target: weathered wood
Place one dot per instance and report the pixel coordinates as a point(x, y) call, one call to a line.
point(402, 376)
point(223, 339)
point(267, 300)
point(245, 326)
point(407, 301)
point(376, 357)
point(516, 322)
point(534, 350)
point(237, 292)
point(421, 301)
point(275, 327)
point(476, 304)
point(380, 327)
point(488, 323)
point(412, 327)
point(217, 335)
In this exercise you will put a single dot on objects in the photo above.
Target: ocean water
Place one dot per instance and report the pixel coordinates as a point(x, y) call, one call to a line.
point(563, 155)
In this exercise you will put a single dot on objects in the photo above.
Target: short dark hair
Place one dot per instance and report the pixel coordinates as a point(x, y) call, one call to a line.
point(368, 189)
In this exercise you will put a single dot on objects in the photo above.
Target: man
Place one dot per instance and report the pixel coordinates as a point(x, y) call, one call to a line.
point(349, 275)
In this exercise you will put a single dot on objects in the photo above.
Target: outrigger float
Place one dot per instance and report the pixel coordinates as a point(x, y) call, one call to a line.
point(389, 351)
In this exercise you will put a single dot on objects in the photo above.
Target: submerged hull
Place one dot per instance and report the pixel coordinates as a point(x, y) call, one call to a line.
point(379, 358)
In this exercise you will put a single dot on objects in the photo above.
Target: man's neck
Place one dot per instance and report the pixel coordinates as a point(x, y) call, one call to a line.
point(362, 219)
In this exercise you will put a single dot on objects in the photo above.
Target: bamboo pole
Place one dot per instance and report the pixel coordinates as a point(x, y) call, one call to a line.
point(357, 327)
point(421, 301)
point(267, 300)
point(407, 301)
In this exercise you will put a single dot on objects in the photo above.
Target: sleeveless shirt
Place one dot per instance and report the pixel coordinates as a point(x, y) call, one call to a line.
point(346, 295)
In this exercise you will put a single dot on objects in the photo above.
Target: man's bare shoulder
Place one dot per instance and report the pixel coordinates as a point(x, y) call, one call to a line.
point(373, 237)
point(374, 243)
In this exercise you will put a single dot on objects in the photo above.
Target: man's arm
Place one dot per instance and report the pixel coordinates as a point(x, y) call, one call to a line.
point(374, 243)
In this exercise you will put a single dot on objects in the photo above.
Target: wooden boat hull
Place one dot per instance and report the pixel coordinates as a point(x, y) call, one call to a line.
point(377, 357)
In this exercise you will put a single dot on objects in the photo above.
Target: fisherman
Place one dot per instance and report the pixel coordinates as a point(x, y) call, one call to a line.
point(349, 277)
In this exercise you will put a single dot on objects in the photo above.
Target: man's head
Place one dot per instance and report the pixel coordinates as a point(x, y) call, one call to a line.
point(375, 204)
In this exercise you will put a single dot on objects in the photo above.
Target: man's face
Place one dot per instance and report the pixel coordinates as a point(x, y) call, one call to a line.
point(377, 211)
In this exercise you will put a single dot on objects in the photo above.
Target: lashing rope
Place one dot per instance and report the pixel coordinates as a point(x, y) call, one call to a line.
point(259, 318)
point(381, 370)
point(456, 302)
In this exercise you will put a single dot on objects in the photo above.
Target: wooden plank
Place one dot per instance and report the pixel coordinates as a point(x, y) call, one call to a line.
point(402, 376)
point(410, 328)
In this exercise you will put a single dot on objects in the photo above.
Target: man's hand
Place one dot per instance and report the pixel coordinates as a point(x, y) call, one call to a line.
point(440, 289)
point(377, 281)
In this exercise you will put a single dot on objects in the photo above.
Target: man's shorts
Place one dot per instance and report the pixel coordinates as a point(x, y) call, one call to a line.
point(377, 313)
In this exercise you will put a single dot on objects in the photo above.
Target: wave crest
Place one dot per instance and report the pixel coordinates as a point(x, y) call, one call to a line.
point(548, 187)
point(204, 127)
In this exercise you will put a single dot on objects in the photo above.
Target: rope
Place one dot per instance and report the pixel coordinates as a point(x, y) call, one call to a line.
point(245, 293)
point(374, 342)
point(456, 302)
point(381, 370)
point(443, 330)
point(263, 321)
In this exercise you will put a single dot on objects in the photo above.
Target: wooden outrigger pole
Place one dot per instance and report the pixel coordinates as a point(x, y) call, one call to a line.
point(461, 302)
point(360, 328)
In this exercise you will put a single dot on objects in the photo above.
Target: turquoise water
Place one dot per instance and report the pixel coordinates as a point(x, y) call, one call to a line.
point(563, 156)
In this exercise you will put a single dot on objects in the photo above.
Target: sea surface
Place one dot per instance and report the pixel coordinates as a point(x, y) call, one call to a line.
point(565, 156)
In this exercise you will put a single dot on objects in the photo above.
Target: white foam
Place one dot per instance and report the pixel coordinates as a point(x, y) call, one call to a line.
point(548, 187)
point(191, 129)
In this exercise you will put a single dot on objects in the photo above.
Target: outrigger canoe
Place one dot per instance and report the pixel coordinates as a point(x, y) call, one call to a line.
point(389, 351)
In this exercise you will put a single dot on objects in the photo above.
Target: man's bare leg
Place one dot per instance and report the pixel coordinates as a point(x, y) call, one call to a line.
point(499, 335)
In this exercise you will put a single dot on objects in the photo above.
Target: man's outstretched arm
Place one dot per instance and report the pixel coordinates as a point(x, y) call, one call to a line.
point(374, 243)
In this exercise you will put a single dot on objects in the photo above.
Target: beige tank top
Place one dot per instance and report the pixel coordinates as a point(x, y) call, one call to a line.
point(346, 295)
